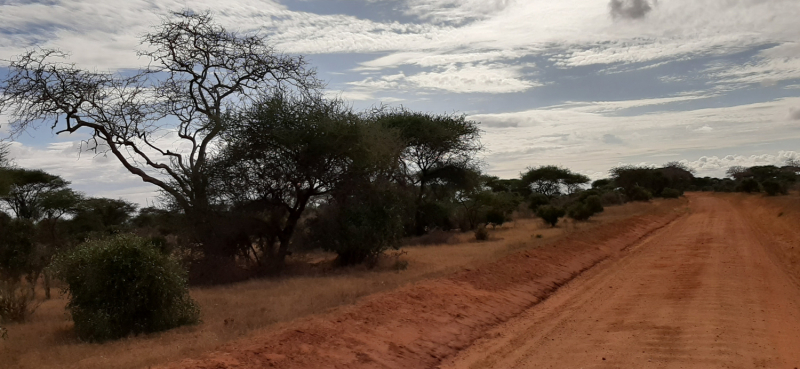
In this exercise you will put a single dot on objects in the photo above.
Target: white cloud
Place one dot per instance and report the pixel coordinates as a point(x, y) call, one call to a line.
point(603, 107)
point(476, 78)
point(483, 78)
point(572, 137)
point(779, 63)
point(456, 11)
point(104, 31)
point(714, 166)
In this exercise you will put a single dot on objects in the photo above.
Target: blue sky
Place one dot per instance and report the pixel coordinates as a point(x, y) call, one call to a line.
point(587, 84)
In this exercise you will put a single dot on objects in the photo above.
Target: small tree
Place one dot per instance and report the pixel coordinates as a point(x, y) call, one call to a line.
point(123, 285)
point(435, 148)
point(17, 260)
point(360, 222)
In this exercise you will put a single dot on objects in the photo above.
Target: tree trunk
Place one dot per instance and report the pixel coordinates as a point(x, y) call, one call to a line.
point(47, 285)
point(289, 228)
point(419, 227)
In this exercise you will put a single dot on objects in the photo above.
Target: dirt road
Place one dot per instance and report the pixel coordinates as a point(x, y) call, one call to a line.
point(703, 292)
point(684, 287)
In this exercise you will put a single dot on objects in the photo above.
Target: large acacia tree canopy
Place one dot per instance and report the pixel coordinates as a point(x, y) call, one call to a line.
point(432, 141)
point(288, 150)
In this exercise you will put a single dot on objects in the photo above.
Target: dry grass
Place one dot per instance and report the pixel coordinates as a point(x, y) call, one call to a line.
point(231, 312)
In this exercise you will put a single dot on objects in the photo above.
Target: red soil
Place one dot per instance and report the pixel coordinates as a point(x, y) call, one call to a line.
point(423, 324)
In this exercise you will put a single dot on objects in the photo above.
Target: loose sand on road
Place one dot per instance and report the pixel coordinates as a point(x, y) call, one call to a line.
point(701, 293)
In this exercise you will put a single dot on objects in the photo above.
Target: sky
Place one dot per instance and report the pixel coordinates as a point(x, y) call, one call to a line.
point(585, 84)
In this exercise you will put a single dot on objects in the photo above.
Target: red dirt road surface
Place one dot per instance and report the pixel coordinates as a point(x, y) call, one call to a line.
point(703, 287)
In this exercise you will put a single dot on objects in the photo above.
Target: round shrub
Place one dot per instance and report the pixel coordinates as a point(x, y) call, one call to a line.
point(595, 204)
point(671, 193)
point(550, 214)
point(579, 211)
point(124, 285)
point(481, 234)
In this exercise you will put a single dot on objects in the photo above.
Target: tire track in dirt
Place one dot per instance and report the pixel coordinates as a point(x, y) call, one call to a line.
point(702, 293)
point(421, 325)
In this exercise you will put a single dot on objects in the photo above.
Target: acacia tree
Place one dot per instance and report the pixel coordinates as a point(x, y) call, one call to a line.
point(285, 152)
point(550, 180)
point(34, 194)
point(198, 73)
point(436, 148)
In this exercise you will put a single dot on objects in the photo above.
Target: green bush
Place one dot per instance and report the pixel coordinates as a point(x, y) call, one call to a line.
point(550, 214)
point(481, 234)
point(749, 185)
point(671, 193)
point(638, 193)
point(579, 211)
point(360, 226)
point(774, 188)
point(595, 204)
point(124, 285)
